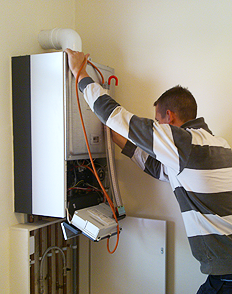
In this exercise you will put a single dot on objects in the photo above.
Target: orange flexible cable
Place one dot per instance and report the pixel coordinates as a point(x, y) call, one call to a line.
point(90, 155)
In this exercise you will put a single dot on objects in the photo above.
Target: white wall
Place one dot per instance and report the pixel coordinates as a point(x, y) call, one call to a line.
point(154, 45)
point(20, 23)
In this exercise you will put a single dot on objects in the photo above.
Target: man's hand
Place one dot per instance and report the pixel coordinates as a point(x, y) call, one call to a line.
point(76, 60)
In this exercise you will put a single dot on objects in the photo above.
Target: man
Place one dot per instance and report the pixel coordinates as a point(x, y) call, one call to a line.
point(179, 148)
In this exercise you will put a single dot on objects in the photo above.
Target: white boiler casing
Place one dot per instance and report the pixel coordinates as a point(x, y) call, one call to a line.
point(47, 131)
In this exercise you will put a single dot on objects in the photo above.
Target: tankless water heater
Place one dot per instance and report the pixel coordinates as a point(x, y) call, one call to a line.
point(51, 163)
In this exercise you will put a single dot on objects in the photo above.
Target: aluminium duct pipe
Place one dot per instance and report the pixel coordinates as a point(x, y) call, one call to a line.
point(60, 39)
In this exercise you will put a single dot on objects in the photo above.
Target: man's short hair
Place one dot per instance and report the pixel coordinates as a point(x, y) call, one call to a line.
point(180, 101)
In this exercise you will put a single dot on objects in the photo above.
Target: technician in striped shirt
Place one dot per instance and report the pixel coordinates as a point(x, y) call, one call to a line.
point(179, 148)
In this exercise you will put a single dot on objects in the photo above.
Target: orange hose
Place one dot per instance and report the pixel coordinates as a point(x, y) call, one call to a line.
point(97, 70)
point(90, 155)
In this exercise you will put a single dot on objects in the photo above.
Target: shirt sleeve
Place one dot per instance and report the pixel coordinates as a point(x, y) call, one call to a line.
point(146, 162)
point(155, 139)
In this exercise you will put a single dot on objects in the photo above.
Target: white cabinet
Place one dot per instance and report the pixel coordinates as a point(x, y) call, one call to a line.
point(24, 254)
point(137, 266)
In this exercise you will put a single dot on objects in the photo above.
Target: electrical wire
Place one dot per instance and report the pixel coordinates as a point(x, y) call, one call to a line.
point(90, 155)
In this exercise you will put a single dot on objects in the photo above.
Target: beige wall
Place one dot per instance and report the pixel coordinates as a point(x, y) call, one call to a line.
point(20, 23)
point(152, 45)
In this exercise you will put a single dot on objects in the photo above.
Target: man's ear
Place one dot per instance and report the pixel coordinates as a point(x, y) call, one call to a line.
point(173, 119)
point(170, 117)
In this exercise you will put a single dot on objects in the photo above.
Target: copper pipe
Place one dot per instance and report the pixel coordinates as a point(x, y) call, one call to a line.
point(40, 243)
point(77, 264)
point(49, 261)
point(65, 276)
point(75, 247)
point(57, 259)
point(41, 278)
point(30, 218)
point(32, 270)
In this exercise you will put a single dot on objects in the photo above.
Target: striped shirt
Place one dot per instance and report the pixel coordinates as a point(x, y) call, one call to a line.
point(197, 164)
